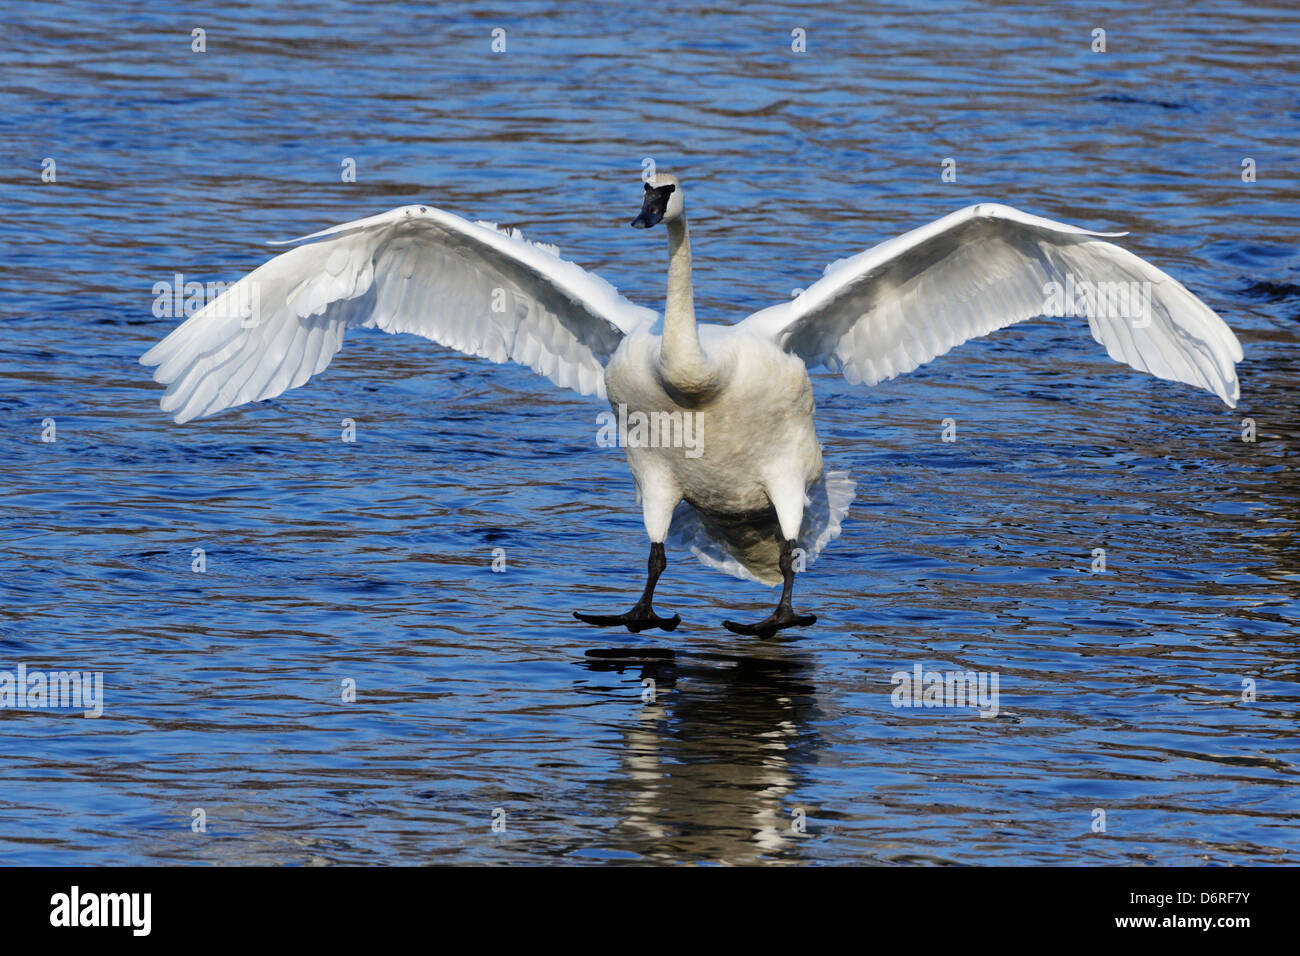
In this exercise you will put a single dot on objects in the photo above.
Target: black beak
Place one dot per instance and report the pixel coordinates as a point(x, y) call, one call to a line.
point(647, 218)
point(653, 206)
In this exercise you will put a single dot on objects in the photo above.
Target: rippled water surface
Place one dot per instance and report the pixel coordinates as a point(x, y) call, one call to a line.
point(371, 561)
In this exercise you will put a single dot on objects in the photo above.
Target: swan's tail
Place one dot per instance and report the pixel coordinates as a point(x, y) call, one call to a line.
point(751, 550)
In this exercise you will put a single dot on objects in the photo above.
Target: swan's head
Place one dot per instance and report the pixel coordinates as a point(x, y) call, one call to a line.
point(662, 201)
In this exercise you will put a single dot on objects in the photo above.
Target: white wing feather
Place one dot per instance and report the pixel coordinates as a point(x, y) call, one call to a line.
point(468, 286)
point(902, 303)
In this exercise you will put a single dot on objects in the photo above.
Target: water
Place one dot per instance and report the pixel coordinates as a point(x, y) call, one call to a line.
point(370, 562)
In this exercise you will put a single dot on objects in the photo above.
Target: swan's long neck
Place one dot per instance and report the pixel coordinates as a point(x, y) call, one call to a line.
point(681, 360)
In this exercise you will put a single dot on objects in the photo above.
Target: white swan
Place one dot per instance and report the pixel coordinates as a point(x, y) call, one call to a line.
point(749, 490)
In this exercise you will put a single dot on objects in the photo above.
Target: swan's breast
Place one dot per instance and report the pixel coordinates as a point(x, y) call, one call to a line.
point(717, 452)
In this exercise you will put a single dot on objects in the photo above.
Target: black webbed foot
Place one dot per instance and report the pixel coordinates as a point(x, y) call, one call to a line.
point(640, 618)
point(778, 620)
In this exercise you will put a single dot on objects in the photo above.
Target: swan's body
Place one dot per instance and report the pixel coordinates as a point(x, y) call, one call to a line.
point(736, 483)
point(758, 387)
point(753, 495)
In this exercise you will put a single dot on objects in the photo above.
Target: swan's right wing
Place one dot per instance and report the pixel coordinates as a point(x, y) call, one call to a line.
point(469, 286)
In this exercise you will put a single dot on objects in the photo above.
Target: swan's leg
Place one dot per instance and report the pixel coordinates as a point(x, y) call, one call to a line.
point(788, 499)
point(642, 616)
point(783, 616)
point(658, 499)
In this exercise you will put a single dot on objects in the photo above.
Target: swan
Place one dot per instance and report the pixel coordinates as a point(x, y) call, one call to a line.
point(748, 494)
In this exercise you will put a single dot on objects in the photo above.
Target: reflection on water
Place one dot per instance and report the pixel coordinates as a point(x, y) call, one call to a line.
point(369, 564)
point(711, 759)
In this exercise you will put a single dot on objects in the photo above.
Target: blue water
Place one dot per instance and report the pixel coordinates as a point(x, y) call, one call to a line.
point(371, 561)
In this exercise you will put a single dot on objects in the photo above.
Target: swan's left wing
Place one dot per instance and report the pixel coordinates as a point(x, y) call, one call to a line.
point(897, 306)
point(466, 285)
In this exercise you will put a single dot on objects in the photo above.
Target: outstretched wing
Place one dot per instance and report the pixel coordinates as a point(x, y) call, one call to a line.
point(884, 312)
point(468, 286)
